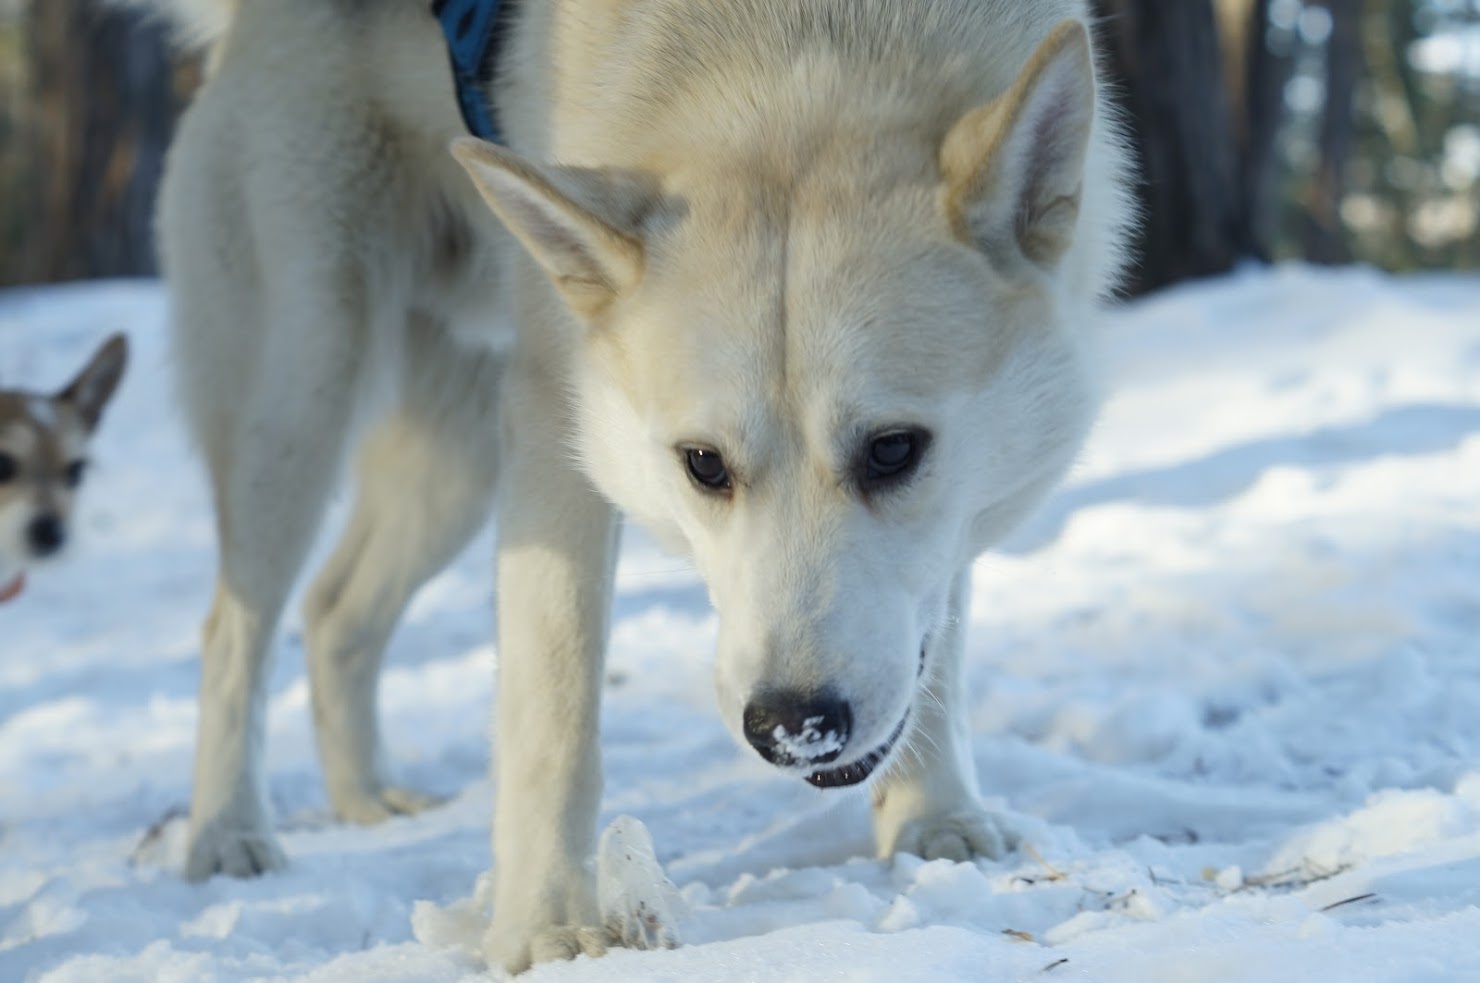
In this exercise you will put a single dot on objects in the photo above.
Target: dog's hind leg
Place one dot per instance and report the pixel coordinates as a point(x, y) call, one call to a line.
point(274, 454)
point(927, 804)
point(425, 484)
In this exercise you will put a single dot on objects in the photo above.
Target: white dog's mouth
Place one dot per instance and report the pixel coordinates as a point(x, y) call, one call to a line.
point(852, 774)
point(860, 770)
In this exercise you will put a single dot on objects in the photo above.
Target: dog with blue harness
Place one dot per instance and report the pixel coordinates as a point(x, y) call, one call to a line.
point(803, 287)
point(473, 29)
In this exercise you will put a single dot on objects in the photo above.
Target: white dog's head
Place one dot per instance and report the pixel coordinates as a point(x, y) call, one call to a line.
point(832, 375)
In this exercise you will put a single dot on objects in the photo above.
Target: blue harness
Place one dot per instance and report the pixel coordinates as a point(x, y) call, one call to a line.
point(471, 28)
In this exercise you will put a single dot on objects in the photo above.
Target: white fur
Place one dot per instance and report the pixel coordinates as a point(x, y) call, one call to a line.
point(14, 517)
point(743, 224)
point(21, 498)
point(196, 22)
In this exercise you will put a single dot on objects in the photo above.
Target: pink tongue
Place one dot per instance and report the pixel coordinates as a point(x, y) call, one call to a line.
point(12, 589)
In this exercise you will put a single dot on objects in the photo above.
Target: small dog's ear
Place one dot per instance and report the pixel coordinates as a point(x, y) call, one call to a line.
point(1014, 168)
point(96, 383)
point(575, 222)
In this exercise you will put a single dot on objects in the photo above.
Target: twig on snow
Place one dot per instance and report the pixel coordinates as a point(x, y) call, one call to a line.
point(1054, 874)
point(1353, 900)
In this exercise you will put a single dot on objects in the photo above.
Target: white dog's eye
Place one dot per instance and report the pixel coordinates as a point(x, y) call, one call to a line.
point(892, 457)
point(75, 471)
point(707, 468)
point(8, 468)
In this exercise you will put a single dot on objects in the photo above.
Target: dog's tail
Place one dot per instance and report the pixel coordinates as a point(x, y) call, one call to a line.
point(197, 23)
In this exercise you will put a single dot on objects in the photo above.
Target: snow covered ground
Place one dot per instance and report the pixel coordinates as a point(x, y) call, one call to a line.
point(1227, 682)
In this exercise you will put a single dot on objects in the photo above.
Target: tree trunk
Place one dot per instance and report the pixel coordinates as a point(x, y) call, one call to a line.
point(1262, 112)
point(1164, 55)
point(105, 108)
point(1325, 240)
point(1237, 24)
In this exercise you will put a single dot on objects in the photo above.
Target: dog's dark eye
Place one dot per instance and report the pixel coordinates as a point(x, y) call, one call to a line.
point(893, 456)
point(8, 468)
point(707, 468)
point(75, 471)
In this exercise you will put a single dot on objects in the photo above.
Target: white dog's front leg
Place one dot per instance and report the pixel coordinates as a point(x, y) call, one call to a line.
point(928, 804)
point(557, 543)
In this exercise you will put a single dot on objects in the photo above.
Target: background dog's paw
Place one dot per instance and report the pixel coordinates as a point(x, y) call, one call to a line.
point(377, 807)
point(408, 801)
point(962, 835)
point(236, 851)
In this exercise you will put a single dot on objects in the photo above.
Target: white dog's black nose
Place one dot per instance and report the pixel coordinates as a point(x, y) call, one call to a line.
point(797, 728)
point(46, 535)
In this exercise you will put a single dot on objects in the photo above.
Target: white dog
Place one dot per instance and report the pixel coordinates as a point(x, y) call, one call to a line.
point(804, 286)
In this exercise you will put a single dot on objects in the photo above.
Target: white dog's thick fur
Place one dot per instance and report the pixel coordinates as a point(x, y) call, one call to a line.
point(804, 287)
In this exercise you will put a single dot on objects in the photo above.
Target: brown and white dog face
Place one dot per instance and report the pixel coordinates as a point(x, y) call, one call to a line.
point(43, 459)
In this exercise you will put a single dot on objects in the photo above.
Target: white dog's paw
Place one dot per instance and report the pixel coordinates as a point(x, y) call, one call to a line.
point(961, 835)
point(560, 942)
point(516, 949)
point(234, 850)
point(367, 809)
point(636, 906)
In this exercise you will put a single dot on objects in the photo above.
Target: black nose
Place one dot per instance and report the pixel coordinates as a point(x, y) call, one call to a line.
point(797, 728)
point(46, 535)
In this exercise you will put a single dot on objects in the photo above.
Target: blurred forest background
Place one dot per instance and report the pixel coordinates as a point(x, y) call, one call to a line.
point(1330, 130)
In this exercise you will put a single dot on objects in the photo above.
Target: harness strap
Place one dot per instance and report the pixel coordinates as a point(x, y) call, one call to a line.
point(471, 29)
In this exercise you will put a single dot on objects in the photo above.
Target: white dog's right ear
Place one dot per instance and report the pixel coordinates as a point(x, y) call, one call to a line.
point(1013, 168)
point(569, 219)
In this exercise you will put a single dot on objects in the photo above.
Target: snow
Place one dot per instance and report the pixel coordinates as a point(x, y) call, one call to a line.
point(811, 744)
point(1225, 684)
point(1452, 52)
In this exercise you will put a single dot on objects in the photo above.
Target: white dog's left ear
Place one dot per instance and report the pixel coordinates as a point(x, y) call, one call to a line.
point(96, 383)
point(1014, 167)
point(571, 220)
